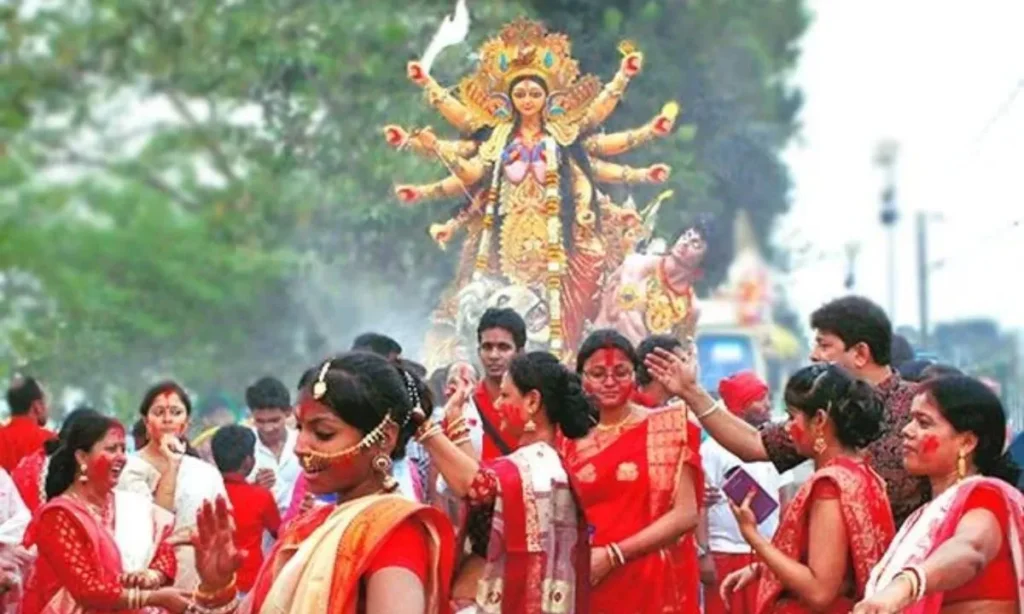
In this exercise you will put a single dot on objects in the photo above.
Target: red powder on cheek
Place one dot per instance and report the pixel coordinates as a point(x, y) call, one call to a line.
point(929, 444)
point(98, 470)
point(796, 432)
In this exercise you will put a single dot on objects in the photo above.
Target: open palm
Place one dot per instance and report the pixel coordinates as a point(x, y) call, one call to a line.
point(217, 558)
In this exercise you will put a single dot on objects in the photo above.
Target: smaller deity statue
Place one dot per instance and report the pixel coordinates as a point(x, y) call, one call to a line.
point(653, 293)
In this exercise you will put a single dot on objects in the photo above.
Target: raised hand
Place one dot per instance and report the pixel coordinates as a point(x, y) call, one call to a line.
point(416, 73)
point(632, 64)
point(666, 119)
point(171, 446)
point(396, 136)
point(217, 558)
point(408, 194)
point(659, 173)
point(677, 374)
point(457, 401)
point(745, 517)
point(442, 233)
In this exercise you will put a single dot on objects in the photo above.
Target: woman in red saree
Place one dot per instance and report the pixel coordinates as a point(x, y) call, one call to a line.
point(81, 532)
point(527, 537)
point(637, 478)
point(964, 550)
point(839, 523)
point(375, 552)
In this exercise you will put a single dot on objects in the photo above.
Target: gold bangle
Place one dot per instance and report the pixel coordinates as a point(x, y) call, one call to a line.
point(217, 597)
point(717, 405)
point(617, 554)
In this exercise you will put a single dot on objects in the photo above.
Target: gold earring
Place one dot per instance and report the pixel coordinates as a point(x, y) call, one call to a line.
point(382, 465)
point(819, 445)
point(82, 477)
point(530, 426)
point(961, 465)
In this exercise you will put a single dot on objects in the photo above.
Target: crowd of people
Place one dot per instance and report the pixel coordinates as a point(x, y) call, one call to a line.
point(619, 484)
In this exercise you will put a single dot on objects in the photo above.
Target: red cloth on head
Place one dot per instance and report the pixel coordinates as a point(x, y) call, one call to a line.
point(740, 390)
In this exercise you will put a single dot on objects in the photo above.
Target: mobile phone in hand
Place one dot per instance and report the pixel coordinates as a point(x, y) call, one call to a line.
point(739, 484)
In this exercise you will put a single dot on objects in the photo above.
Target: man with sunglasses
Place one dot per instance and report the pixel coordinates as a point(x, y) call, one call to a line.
point(852, 332)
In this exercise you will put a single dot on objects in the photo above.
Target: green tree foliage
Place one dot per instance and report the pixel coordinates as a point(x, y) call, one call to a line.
point(726, 63)
point(201, 189)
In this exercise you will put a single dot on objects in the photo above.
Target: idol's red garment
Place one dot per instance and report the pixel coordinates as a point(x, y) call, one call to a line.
point(76, 554)
point(21, 437)
point(255, 511)
point(997, 582)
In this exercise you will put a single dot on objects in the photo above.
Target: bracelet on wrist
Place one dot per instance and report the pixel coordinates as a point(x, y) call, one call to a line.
point(218, 596)
point(618, 559)
point(717, 405)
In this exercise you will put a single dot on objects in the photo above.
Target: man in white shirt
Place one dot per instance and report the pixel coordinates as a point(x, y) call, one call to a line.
point(723, 548)
point(277, 467)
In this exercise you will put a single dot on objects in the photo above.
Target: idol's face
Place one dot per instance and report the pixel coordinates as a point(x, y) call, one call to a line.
point(528, 97)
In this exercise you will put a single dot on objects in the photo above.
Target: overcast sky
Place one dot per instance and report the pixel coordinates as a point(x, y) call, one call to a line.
point(937, 76)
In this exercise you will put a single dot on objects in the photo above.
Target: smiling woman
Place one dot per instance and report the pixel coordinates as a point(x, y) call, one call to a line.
point(98, 549)
point(353, 417)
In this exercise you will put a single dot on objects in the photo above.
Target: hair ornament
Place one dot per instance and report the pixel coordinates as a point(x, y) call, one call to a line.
point(320, 386)
point(417, 412)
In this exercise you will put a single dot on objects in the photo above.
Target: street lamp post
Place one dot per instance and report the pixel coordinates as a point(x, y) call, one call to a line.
point(885, 158)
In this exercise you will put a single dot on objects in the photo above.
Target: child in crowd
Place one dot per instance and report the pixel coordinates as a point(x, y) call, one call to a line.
point(252, 506)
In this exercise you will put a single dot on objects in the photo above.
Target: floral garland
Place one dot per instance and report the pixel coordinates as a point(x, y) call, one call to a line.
point(556, 251)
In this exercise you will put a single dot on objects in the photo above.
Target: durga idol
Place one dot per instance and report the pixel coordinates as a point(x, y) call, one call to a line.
point(528, 166)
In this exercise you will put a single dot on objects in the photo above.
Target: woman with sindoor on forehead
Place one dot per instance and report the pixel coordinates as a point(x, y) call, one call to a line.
point(375, 551)
point(166, 472)
point(100, 549)
point(527, 537)
point(839, 523)
point(964, 550)
point(637, 478)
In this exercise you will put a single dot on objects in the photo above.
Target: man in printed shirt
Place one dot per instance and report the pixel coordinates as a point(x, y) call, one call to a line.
point(856, 334)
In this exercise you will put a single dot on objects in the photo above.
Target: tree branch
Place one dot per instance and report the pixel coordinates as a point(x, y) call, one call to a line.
point(220, 159)
point(137, 172)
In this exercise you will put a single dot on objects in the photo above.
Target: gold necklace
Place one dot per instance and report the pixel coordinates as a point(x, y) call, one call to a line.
point(101, 514)
point(617, 425)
